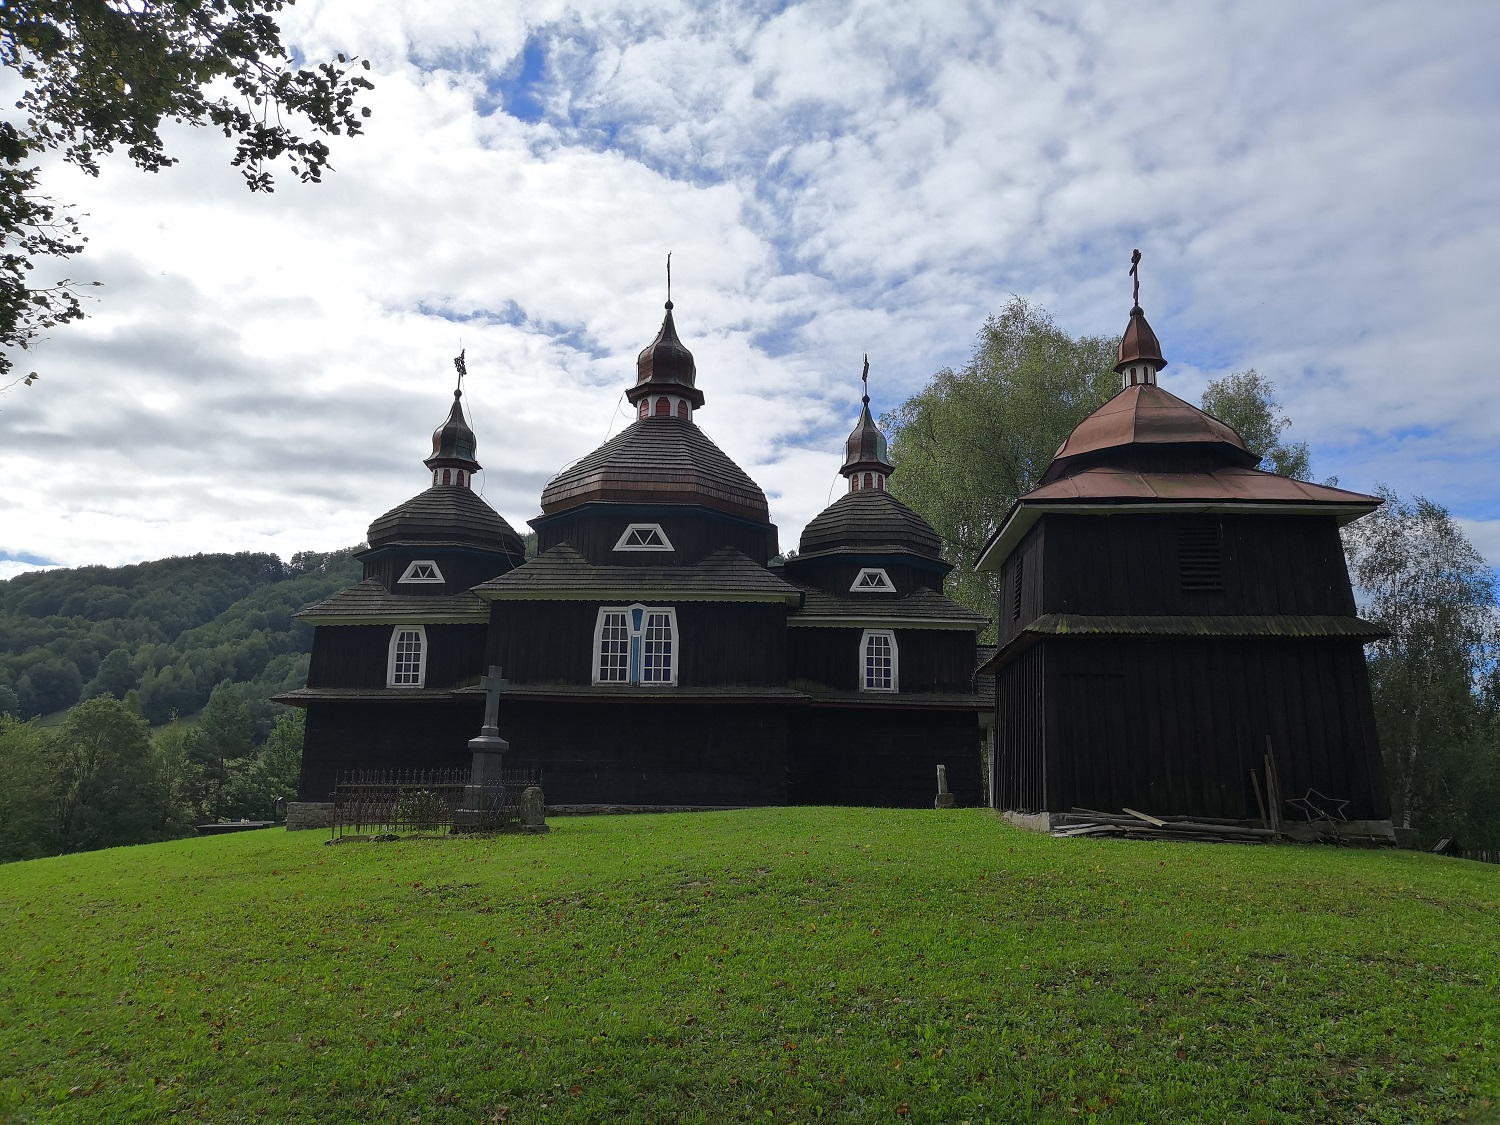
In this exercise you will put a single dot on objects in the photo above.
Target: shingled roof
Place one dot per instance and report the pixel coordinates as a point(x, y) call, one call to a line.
point(658, 461)
point(922, 606)
point(447, 513)
point(870, 521)
point(562, 573)
point(369, 602)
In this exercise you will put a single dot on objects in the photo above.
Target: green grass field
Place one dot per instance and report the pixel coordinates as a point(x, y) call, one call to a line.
point(774, 964)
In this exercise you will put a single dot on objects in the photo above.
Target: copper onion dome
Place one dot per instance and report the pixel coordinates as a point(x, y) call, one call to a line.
point(453, 443)
point(665, 366)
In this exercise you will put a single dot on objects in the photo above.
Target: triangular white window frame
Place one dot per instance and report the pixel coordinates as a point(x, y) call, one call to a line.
point(655, 539)
point(872, 580)
point(422, 570)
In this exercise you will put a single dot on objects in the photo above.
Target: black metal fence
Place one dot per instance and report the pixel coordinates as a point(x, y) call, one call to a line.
point(379, 802)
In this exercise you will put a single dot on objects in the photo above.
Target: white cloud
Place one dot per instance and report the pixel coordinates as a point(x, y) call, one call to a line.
point(1311, 187)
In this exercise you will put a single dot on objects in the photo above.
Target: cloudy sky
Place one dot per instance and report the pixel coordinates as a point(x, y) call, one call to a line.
point(1314, 187)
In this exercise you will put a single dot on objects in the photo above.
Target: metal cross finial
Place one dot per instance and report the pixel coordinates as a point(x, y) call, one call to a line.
point(461, 367)
point(864, 378)
point(1135, 289)
point(669, 279)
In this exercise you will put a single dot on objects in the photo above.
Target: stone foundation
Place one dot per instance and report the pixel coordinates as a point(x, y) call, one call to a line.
point(308, 814)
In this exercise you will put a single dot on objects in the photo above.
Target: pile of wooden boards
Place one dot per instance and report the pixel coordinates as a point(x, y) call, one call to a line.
point(1134, 825)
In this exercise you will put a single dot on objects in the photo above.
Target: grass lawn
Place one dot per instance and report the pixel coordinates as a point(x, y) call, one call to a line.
point(771, 964)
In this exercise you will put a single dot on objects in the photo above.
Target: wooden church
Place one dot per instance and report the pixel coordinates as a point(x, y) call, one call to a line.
point(1170, 615)
point(655, 652)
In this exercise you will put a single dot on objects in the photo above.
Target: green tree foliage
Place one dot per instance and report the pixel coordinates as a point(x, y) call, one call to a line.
point(96, 77)
point(101, 778)
point(218, 746)
point(173, 804)
point(1247, 401)
point(185, 624)
point(50, 684)
point(10, 702)
point(1434, 680)
point(116, 677)
point(976, 438)
point(26, 826)
point(260, 784)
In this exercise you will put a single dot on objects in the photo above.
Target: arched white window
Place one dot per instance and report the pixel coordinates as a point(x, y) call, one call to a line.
point(872, 580)
point(879, 661)
point(635, 645)
point(644, 537)
point(407, 665)
point(422, 570)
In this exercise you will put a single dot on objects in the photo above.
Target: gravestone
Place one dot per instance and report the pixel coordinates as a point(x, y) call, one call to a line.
point(944, 798)
point(533, 811)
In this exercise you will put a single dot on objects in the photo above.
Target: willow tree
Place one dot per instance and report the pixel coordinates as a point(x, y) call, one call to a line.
point(1434, 680)
point(1247, 401)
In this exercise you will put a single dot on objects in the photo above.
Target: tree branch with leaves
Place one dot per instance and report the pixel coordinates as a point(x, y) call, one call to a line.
point(104, 75)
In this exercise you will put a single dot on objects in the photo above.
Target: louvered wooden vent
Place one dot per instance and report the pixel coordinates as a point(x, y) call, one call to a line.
point(1015, 597)
point(1199, 562)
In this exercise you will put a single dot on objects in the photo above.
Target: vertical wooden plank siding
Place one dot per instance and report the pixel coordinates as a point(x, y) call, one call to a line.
point(1177, 728)
point(718, 643)
point(1020, 735)
point(357, 656)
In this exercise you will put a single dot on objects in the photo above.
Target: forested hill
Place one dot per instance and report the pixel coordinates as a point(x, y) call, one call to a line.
point(168, 631)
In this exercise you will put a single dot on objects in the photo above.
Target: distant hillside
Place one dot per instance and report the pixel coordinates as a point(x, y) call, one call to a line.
point(168, 630)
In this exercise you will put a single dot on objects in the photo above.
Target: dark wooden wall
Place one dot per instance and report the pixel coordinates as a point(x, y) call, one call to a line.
point(1175, 725)
point(1013, 614)
point(396, 735)
point(652, 752)
point(358, 656)
point(837, 574)
point(695, 533)
point(1128, 564)
point(931, 660)
point(883, 756)
point(462, 570)
point(718, 643)
point(1020, 734)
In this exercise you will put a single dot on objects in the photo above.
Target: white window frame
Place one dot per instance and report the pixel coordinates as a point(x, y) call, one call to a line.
point(410, 573)
point(390, 662)
point(886, 586)
point(599, 644)
point(635, 652)
point(864, 648)
point(664, 545)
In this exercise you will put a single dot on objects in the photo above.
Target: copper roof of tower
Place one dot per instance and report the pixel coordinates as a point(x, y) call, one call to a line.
point(665, 366)
point(1145, 416)
point(453, 443)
